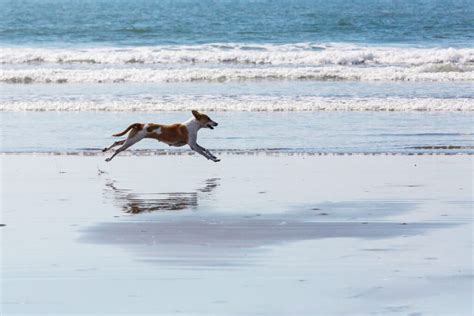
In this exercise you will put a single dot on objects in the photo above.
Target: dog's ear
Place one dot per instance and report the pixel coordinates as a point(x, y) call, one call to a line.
point(196, 114)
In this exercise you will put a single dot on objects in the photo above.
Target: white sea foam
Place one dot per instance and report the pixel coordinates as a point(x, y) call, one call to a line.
point(223, 74)
point(240, 103)
point(289, 54)
point(234, 62)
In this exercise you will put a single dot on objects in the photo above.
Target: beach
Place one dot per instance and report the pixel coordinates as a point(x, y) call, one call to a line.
point(253, 234)
point(346, 138)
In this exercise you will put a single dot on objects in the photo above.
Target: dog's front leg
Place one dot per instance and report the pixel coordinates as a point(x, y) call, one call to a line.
point(213, 158)
point(202, 152)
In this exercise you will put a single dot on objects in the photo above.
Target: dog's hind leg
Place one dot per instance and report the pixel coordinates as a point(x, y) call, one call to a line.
point(120, 142)
point(129, 142)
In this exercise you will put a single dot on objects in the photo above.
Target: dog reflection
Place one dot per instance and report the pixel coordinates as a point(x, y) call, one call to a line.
point(135, 203)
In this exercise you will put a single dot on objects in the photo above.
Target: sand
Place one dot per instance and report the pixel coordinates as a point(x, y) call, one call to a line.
point(253, 234)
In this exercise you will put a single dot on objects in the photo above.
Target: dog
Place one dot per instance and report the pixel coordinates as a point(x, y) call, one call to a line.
point(174, 135)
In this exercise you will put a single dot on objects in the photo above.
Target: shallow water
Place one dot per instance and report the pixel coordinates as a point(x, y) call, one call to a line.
point(251, 132)
point(251, 96)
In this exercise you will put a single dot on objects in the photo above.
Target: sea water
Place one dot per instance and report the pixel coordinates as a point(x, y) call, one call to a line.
point(318, 62)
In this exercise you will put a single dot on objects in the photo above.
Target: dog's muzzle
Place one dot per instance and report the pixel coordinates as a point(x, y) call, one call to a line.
point(211, 126)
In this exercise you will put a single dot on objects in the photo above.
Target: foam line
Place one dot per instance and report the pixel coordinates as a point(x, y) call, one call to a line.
point(237, 103)
point(199, 74)
point(235, 62)
point(240, 53)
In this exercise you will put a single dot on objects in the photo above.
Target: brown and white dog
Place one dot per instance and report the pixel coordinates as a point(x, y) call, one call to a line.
point(174, 135)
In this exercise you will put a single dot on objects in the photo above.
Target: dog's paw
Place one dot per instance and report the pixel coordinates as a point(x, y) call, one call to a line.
point(216, 160)
point(108, 159)
point(104, 150)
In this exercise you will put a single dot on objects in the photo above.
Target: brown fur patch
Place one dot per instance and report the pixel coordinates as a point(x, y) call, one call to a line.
point(131, 127)
point(136, 129)
point(196, 114)
point(151, 127)
point(174, 135)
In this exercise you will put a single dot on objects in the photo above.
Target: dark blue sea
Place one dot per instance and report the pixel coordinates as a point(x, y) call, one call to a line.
point(180, 22)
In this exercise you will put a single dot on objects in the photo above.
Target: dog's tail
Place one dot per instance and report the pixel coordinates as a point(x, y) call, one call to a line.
point(133, 126)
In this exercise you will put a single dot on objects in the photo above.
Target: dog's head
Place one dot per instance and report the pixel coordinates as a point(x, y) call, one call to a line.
point(204, 120)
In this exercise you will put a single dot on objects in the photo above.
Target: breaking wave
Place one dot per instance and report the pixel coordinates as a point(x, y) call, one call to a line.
point(235, 62)
point(237, 103)
point(265, 54)
point(194, 74)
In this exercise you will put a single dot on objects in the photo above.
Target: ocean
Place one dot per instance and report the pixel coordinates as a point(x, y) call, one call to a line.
point(191, 22)
point(243, 60)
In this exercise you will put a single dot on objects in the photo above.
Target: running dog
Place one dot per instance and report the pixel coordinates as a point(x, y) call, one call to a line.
point(174, 135)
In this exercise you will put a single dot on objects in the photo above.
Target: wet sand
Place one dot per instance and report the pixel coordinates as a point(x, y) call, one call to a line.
point(253, 234)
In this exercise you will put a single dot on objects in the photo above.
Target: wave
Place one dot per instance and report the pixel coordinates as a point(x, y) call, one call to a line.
point(310, 54)
point(224, 74)
point(236, 103)
point(235, 62)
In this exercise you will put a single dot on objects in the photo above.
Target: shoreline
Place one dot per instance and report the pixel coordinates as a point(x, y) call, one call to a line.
point(249, 132)
point(97, 152)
